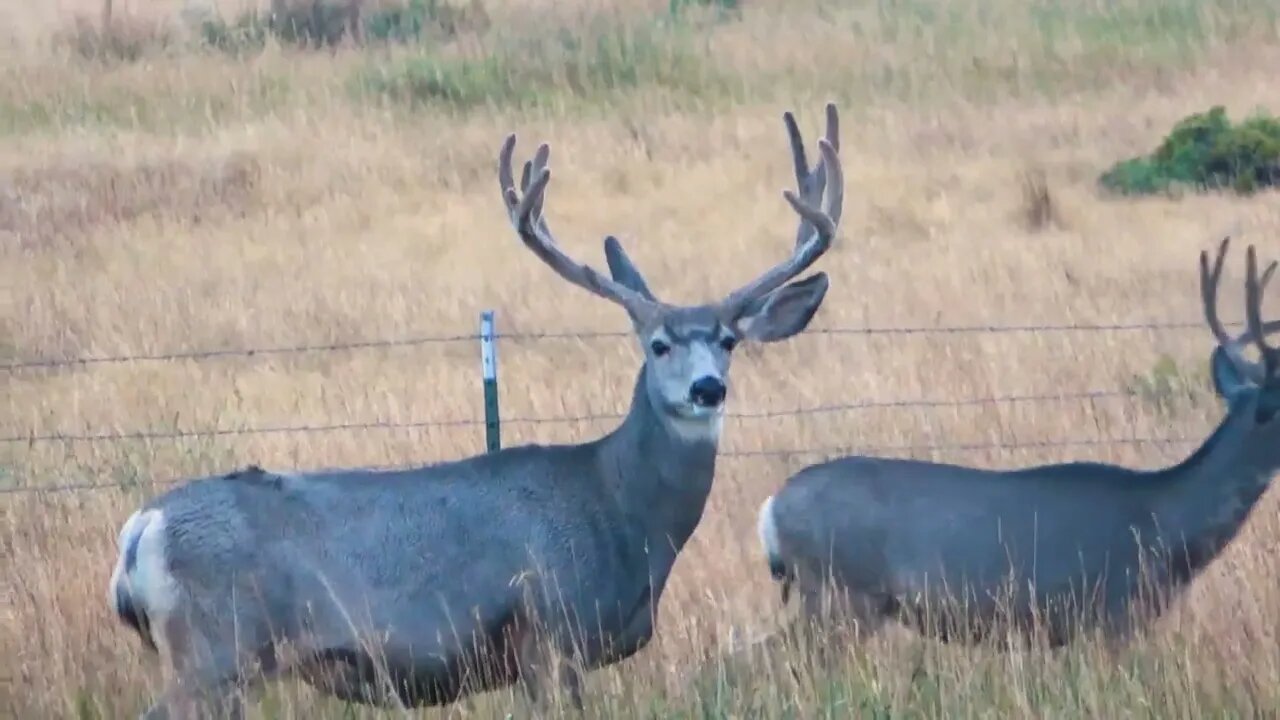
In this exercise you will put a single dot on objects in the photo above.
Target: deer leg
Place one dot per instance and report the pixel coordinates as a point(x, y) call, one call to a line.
point(200, 694)
point(543, 667)
point(196, 700)
point(206, 677)
point(846, 618)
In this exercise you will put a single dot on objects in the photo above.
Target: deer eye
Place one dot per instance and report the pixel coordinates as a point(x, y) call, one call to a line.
point(728, 343)
point(659, 348)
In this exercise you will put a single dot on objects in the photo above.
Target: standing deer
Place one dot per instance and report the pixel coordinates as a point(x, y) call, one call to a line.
point(421, 586)
point(1053, 550)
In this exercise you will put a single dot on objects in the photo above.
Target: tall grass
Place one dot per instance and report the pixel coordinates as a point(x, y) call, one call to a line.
point(588, 63)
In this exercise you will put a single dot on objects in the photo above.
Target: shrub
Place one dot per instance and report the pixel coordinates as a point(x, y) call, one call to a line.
point(247, 34)
point(1205, 152)
point(326, 23)
point(726, 8)
point(413, 20)
point(314, 23)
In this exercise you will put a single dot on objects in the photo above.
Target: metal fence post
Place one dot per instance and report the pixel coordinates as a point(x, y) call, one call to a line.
point(489, 370)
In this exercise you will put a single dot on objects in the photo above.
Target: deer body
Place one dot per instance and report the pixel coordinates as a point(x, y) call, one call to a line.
point(1067, 547)
point(420, 586)
point(433, 557)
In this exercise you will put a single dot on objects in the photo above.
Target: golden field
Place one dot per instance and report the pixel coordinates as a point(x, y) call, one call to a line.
point(187, 200)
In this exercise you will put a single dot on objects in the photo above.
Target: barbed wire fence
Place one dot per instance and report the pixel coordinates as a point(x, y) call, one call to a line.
point(488, 340)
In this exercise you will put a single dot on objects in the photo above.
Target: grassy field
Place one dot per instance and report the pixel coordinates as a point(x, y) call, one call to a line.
point(176, 198)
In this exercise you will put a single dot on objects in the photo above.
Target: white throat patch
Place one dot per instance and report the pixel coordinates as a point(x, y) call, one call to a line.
point(701, 429)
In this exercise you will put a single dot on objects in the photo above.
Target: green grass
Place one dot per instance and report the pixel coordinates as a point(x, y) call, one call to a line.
point(588, 63)
point(452, 55)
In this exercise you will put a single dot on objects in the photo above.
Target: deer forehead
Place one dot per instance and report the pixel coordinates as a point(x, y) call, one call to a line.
point(688, 326)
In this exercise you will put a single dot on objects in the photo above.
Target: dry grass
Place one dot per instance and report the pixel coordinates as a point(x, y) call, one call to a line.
point(192, 200)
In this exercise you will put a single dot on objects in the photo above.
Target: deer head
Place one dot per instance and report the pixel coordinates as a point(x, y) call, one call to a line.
point(688, 347)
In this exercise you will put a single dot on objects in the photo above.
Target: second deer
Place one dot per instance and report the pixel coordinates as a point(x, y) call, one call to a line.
point(1057, 549)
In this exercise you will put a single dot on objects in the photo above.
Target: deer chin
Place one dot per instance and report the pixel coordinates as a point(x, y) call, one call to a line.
point(695, 423)
point(695, 413)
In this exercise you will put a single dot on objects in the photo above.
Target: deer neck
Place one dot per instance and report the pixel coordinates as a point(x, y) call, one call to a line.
point(659, 471)
point(1210, 495)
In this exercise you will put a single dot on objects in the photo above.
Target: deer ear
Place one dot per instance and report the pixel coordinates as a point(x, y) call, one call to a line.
point(783, 312)
point(1228, 381)
point(624, 271)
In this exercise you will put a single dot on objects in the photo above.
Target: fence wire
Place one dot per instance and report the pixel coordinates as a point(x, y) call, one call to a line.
point(831, 451)
point(373, 425)
point(216, 353)
point(150, 435)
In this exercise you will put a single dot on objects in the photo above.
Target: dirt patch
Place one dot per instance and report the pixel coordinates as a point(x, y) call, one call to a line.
point(57, 203)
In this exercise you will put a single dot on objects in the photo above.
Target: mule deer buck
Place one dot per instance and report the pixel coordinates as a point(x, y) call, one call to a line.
point(1050, 551)
point(421, 586)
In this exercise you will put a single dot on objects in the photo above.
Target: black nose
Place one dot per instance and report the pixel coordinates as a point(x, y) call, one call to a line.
point(707, 391)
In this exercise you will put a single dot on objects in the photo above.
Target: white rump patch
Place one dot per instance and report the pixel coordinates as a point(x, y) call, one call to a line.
point(150, 585)
point(128, 532)
point(152, 581)
point(767, 527)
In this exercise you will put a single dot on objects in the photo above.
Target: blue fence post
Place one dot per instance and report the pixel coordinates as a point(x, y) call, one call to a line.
point(489, 370)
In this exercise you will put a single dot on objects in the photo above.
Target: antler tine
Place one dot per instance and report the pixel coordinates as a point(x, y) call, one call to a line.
point(1209, 280)
point(825, 185)
point(798, 155)
point(811, 184)
point(835, 207)
point(525, 214)
point(1254, 288)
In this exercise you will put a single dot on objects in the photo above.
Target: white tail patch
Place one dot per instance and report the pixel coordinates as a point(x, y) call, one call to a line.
point(127, 537)
point(767, 527)
point(142, 573)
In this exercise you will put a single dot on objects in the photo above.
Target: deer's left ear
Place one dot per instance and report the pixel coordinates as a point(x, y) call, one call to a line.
point(783, 312)
point(1228, 381)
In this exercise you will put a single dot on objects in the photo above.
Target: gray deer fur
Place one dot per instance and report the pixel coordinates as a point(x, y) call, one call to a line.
point(1056, 549)
point(420, 586)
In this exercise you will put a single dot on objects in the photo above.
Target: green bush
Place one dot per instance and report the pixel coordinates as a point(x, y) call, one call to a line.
point(413, 20)
point(1205, 152)
point(400, 23)
point(311, 23)
point(247, 34)
point(723, 7)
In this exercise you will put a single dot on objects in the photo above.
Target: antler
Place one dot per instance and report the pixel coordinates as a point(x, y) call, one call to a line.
point(812, 183)
point(825, 185)
point(1257, 330)
point(526, 217)
point(1253, 289)
point(1209, 280)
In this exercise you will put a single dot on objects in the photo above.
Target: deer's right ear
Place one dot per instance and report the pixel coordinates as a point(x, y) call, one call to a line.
point(624, 271)
point(1228, 381)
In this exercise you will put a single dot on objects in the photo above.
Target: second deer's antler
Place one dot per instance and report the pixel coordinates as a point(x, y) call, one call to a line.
point(1257, 330)
point(1255, 286)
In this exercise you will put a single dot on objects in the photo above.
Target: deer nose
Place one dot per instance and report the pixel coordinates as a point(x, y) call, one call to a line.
point(707, 391)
